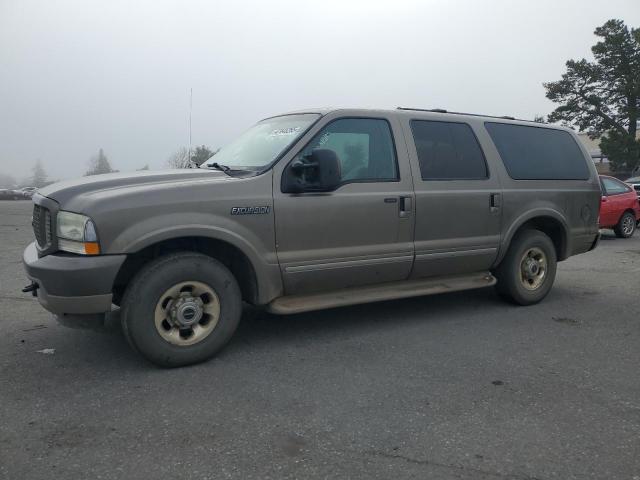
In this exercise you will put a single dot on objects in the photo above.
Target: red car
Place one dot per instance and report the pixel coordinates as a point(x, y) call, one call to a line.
point(619, 207)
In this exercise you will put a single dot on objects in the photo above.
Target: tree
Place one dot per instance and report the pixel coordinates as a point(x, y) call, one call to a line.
point(39, 177)
point(179, 159)
point(603, 97)
point(201, 154)
point(146, 167)
point(539, 119)
point(99, 164)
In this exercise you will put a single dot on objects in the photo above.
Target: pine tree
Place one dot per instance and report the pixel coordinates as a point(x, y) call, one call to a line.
point(603, 97)
point(99, 164)
point(201, 154)
point(39, 177)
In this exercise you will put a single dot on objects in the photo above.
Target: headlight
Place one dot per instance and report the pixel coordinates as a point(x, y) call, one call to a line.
point(76, 234)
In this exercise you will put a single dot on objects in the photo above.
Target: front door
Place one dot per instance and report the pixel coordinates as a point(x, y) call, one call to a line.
point(458, 199)
point(360, 233)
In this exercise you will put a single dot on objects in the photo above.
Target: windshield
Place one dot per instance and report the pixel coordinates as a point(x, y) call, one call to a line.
point(262, 143)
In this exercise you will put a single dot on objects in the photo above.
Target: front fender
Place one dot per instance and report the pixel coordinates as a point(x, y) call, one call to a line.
point(243, 234)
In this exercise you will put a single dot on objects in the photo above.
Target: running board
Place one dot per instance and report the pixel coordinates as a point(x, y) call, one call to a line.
point(377, 293)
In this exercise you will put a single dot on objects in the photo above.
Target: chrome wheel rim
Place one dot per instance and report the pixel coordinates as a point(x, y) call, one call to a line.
point(187, 313)
point(533, 268)
point(628, 225)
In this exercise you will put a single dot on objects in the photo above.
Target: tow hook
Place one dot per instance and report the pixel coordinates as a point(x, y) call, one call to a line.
point(33, 288)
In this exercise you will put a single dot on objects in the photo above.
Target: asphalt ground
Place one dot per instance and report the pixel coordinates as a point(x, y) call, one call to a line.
point(456, 386)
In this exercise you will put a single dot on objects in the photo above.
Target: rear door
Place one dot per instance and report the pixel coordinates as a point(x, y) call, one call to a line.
point(361, 233)
point(458, 199)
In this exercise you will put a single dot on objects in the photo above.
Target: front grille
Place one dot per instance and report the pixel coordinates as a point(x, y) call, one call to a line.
point(42, 226)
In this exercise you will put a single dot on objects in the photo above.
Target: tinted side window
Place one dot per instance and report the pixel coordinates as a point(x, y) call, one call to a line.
point(364, 147)
point(534, 153)
point(447, 151)
point(614, 187)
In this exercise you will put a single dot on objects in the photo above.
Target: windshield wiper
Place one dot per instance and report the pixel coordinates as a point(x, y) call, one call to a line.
point(222, 168)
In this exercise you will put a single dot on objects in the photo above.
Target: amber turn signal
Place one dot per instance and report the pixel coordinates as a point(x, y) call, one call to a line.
point(92, 248)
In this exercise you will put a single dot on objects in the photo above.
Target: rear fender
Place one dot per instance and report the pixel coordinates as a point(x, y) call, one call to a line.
point(531, 215)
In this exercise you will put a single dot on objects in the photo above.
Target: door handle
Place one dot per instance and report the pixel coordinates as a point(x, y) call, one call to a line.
point(405, 206)
point(494, 202)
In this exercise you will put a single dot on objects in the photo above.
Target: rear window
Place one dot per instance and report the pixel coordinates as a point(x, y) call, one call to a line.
point(448, 151)
point(534, 153)
point(613, 186)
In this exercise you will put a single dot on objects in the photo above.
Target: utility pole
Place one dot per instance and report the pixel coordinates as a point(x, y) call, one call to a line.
point(190, 110)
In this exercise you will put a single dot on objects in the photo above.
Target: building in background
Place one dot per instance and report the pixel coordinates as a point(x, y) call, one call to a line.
point(601, 161)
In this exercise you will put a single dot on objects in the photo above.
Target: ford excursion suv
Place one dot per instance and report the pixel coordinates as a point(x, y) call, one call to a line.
point(312, 210)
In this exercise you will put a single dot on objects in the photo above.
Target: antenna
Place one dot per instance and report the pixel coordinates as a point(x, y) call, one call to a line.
point(190, 109)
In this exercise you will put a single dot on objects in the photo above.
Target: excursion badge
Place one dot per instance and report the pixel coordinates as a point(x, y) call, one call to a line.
point(250, 210)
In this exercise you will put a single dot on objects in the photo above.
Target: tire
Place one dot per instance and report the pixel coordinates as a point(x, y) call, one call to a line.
point(520, 275)
point(626, 226)
point(173, 287)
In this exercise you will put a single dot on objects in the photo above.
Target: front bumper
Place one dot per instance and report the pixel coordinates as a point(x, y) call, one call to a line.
point(72, 284)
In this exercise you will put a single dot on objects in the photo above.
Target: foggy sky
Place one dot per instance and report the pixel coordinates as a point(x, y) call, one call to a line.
point(76, 76)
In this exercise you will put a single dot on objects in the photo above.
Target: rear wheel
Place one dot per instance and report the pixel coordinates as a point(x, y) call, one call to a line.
point(626, 225)
point(181, 309)
point(528, 270)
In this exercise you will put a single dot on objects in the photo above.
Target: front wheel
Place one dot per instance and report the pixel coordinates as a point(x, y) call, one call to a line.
point(626, 225)
point(181, 309)
point(528, 270)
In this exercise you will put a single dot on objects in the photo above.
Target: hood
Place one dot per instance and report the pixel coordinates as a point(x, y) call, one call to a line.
point(61, 192)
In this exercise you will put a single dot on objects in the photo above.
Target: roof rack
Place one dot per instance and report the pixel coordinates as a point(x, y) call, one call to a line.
point(442, 110)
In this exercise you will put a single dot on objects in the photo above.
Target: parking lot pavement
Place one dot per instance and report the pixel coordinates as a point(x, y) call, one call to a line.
point(453, 386)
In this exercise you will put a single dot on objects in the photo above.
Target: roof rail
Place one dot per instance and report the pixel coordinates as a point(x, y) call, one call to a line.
point(441, 110)
point(435, 110)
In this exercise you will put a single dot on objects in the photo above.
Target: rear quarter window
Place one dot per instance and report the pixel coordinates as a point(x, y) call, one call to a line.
point(535, 153)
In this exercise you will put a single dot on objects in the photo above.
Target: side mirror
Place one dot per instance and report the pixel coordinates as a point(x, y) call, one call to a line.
point(603, 198)
point(317, 172)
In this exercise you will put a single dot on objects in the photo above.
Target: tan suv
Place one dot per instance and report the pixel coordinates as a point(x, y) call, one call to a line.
point(311, 210)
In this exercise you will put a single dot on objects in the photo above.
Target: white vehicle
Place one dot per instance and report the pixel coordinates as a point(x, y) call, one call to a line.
point(635, 183)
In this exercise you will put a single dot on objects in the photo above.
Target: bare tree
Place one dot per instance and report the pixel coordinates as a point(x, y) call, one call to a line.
point(179, 159)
